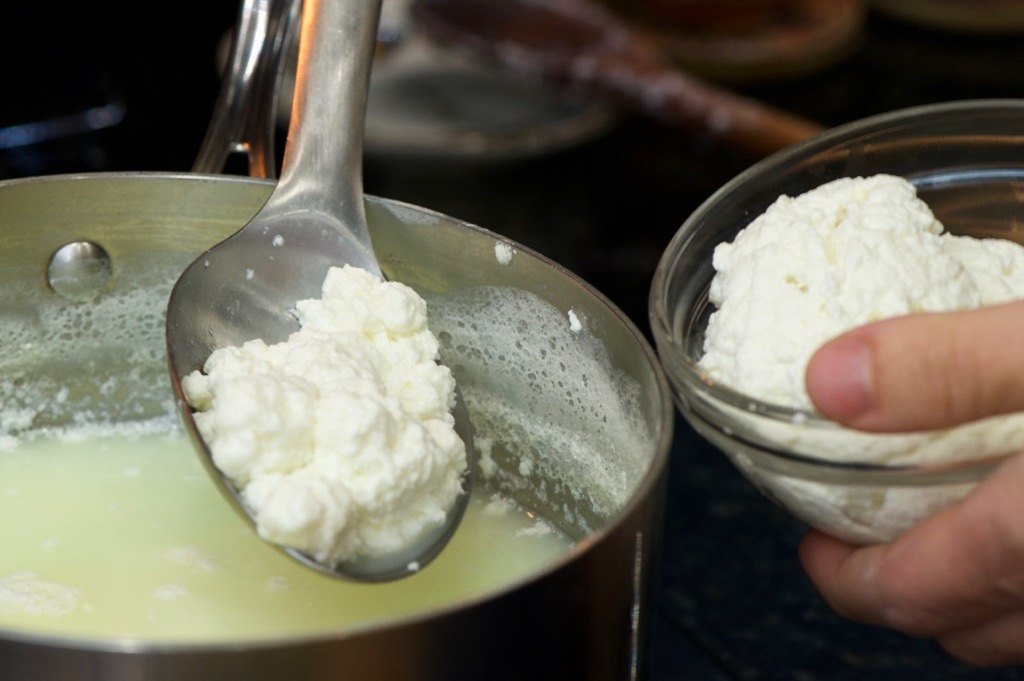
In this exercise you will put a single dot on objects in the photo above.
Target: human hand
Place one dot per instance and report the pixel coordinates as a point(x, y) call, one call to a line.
point(958, 576)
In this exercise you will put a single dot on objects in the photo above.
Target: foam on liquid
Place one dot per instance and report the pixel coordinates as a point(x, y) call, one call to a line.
point(569, 424)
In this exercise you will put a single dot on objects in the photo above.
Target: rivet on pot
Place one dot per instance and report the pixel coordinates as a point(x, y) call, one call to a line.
point(79, 270)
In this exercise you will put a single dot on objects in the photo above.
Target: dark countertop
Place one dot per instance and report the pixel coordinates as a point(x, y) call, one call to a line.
point(733, 602)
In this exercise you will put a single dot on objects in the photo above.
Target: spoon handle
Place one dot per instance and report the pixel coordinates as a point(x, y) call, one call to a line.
point(322, 165)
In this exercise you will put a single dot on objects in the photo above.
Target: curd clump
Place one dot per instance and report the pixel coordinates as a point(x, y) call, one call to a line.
point(850, 252)
point(340, 439)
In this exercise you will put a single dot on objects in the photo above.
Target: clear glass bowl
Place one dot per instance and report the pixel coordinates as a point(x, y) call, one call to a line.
point(967, 162)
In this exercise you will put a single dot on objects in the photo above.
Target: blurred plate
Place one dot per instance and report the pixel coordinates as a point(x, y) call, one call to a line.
point(431, 102)
point(425, 100)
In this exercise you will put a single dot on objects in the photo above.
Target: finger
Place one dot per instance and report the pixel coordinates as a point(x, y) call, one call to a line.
point(996, 643)
point(960, 568)
point(924, 371)
point(835, 568)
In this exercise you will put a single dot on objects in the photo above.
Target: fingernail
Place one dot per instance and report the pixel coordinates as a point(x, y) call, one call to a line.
point(839, 378)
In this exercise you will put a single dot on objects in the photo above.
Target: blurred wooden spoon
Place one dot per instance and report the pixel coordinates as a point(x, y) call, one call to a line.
point(580, 44)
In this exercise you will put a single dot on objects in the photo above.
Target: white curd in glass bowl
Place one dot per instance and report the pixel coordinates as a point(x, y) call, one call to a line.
point(966, 160)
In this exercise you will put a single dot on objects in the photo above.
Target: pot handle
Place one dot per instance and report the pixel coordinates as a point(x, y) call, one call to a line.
point(243, 120)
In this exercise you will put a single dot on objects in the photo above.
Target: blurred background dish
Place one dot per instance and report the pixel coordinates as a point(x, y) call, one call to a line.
point(582, 46)
point(749, 40)
point(426, 100)
point(966, 16)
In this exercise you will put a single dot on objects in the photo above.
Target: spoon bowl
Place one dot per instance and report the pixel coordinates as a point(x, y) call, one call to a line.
point(247, 286)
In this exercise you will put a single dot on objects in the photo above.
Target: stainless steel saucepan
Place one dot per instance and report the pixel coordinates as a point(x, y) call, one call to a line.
point(72, 242)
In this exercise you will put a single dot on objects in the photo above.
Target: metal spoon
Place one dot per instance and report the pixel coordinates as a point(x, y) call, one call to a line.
point(246, 286)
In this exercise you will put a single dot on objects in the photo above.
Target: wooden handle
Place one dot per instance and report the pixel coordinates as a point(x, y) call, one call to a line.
point(738, 122)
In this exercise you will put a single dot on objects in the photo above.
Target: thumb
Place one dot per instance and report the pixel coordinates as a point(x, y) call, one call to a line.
point(923, 371)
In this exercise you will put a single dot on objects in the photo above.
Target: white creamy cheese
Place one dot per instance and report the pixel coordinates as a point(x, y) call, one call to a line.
point(849, 252)
point(341, 439)
point(504, 252)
